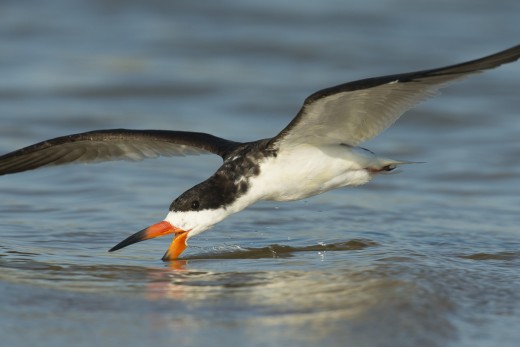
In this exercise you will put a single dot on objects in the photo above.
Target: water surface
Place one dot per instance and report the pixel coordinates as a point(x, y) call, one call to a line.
point(426, 257)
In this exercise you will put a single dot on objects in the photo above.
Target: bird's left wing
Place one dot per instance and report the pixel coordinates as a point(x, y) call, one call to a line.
point(113, 144)
point(354, 112)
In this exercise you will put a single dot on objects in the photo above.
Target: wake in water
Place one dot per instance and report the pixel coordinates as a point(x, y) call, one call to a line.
point(284, 251)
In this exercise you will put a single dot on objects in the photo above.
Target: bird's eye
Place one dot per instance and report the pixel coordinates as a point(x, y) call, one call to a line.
point(195, 204)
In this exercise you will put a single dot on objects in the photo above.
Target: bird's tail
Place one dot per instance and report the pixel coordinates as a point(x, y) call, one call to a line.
point(387, 166)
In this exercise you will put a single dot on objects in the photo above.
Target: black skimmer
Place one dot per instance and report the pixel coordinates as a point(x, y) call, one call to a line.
point(318, 150)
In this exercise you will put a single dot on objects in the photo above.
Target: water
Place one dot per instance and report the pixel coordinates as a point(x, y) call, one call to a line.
point(426, 257)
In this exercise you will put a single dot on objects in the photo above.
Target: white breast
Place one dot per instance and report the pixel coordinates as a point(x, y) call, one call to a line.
point(307, 170)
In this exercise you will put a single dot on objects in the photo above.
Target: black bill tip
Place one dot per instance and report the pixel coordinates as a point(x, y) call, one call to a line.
point(137, 237)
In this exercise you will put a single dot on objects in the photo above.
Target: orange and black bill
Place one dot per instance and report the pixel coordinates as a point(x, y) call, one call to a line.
point(163, 228)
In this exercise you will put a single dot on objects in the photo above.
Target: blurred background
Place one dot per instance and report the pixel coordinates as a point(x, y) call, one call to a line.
point(427, 257)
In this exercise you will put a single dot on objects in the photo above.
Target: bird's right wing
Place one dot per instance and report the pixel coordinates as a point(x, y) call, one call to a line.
point(113, 144)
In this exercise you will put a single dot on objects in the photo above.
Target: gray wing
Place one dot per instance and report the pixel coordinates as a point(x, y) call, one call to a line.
point(354, 112)
point(113, 144)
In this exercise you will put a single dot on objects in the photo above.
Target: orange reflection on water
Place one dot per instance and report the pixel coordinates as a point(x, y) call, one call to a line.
point(164, 283)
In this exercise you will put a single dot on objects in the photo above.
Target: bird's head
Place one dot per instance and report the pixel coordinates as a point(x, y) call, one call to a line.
point(193, 212)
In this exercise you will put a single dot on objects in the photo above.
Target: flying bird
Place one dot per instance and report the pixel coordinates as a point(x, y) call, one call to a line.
point(316, 152)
